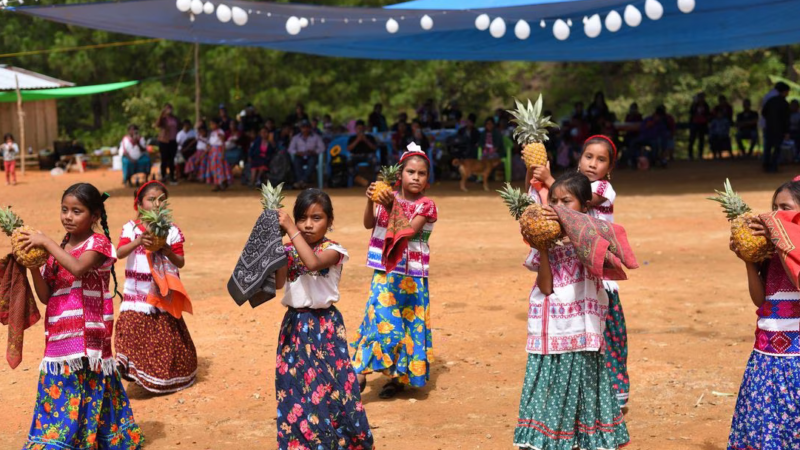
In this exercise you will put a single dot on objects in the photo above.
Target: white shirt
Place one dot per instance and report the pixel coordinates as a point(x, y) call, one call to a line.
point(306, 145)
point(605, 210)
point(132, 149)
point(10, 152)
point(314, 290)
point(184, 135)
point(216, 138)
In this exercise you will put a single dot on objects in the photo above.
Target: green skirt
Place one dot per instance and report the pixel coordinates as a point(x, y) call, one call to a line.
point(568, 402)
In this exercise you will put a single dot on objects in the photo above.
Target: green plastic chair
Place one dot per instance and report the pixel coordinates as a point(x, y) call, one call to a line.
point(509, 145)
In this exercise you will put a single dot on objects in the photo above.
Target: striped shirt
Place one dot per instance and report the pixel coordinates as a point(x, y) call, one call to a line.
point(778, 327)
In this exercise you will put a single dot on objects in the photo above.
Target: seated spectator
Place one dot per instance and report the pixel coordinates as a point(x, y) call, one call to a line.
point(269, 124)
point(719, 133)
point(724, 107)
point(794, 126)
point(284, 137)
point(224, 119)
point(747, 128)
point(401, 138)
point(315, 127)
point(451, 115)
point(363, 149)
point(327, 125)
point(427, 115)
point(377, 121)
point(401, 118)
point(491, 141)
point(467, 139)
point(298, 115)
point(135, 158)
point(305, 149)
point(261, 152)
point(418, 137)
point(251, 120)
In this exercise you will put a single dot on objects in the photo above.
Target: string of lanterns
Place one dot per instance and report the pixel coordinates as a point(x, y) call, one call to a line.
point(592, 25)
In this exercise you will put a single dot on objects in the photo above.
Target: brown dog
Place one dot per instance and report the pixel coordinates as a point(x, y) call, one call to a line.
point(480, 167)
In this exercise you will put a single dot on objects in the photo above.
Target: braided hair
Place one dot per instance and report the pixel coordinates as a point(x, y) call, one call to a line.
point(94, 201)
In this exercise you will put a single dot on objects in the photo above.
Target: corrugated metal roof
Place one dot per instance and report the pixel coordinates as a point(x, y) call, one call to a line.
point(27, 79)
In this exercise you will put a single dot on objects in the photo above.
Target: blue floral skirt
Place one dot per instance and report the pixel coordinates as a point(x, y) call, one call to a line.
point(319, 403)
point(616, 335)
point(395, 336)
point(83, 410)
point(767, 413)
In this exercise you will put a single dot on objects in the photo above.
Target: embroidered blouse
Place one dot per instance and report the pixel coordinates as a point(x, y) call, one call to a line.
point(605, 210)
point(416, 259)
point(572, 318)
point(778, 326)
point(314, 290)
point(137, 270)
point(79, 318)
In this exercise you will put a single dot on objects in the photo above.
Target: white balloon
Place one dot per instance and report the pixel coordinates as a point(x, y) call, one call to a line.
point(197, 7)
point(653, 9)
point(293, 25)
point(392, 26)
point(182, 5)
point(239, 16)
point(426, 22)
point(613, 21)
point(593, 26)
point(522, 30)
point(482, 22)
point(632, 16)
point(304, 22)
point(224, 13)
point(560, 30)
point(498, 27)
point(686, 6)
point(208, 8)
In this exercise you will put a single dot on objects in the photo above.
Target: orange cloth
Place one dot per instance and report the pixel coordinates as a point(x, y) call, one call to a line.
point(167, 291)
point(17, 306)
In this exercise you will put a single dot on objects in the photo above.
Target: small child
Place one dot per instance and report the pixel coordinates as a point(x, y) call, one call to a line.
point(215, 169)
point(198, 159)
point(261, 151)
point(10, 150)
point(81, 403)
point(766, 414)
point(567, 398)
point(319, 403)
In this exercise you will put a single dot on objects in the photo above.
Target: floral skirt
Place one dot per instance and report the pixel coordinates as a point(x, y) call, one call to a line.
point(194, 162)
point(156, 351)
point(395, 336)
point(82, 410)
point(767, 413)
point(214, 169)
point(567, 402)
point(319, 403)
point(616, 335)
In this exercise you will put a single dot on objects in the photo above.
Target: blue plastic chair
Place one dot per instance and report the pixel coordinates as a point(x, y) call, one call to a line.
point(320, 169)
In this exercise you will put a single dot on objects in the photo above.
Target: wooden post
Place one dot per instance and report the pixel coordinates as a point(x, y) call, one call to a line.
point(196, 82)
point(21, 115)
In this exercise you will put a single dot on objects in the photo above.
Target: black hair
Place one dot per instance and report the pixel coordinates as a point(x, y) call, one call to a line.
point(604, 142)
point(202, 128)
point(310, 197)
point(576, 184)
point(7, 136)
point(489, 119)
point(794, 190)
point(360, 122)
point(781, 87)
point(187, 122)
point(133, 126)
point(94, 201)
point(472, 117)
point(215, 121)
point(148, 188)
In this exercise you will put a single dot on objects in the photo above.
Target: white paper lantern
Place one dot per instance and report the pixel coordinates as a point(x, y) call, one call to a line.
point(543, 24)
point(522, 30)
point(293, 25)
point(392, 26)
point(482, 22)
point(197, 7)
point(304, 22)
point(686, 6)
point(182, 5)
point(426, 22)
point(498, 27)
point(653, 9)
point(560, 30)
point(585, 19)
point(208, 8)
point(593, 26)
point(613, 21)
point(239, 16)
point(224, 13)
point(569, 22)
point(632, 16)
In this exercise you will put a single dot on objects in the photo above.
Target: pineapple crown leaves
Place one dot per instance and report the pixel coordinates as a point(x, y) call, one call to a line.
point(158, 220)
point(515, 200)
point(389, 173)
point(271, 197)
point(732, 204)
point(531, 126)
point(9, 221)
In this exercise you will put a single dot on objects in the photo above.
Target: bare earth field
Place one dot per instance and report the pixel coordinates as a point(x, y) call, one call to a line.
point(690, 321)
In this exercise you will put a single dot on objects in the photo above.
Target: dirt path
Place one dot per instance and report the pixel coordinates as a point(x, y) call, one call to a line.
point(689, 317)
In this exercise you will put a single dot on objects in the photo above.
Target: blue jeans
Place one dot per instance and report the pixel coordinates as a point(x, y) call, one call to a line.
point(304, 168)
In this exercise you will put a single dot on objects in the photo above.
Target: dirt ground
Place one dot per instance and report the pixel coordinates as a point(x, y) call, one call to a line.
point(690, 321)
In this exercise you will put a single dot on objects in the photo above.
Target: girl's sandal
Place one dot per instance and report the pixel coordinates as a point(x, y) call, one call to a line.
point(391, 389)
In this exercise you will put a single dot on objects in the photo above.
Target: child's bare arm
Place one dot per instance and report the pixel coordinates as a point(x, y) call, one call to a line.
point(544, 278)
point(280, 277)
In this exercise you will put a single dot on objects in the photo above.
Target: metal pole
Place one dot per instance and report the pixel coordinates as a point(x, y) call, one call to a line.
point(21, 115)
point(196, 82)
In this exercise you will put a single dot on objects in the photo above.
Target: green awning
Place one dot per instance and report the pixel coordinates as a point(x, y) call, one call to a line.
point(65, 92)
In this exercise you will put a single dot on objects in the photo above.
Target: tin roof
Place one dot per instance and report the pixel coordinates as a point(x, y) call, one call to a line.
point(27, 79)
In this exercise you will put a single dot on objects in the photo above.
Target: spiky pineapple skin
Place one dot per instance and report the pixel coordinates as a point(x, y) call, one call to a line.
point(380, 188)
point(534, 154)
point(158, 244)
point(538, 231)
point(752, 249)
point(31, 259)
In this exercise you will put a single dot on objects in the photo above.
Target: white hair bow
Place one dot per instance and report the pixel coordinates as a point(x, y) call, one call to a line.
point(413, 147)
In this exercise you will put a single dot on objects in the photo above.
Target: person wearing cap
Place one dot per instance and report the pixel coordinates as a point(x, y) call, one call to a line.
point(776, 114)
point(305, 149)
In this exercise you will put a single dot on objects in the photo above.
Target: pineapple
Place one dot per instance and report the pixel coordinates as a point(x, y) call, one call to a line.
point(539, 232)
point(158, 223)
point(271, 197)
point(531, 131)
point(752, 248)
point(13, 226)
point(388, 177)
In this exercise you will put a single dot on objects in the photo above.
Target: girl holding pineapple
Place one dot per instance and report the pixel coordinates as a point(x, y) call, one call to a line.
point(596, 162)
point(81, 402)
point(766, 414)
point(319, 403)
point(395, 335)
point(567, 397)
point(154, 348)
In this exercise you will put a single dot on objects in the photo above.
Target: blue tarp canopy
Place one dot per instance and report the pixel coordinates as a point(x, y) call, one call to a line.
point(715, 26)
